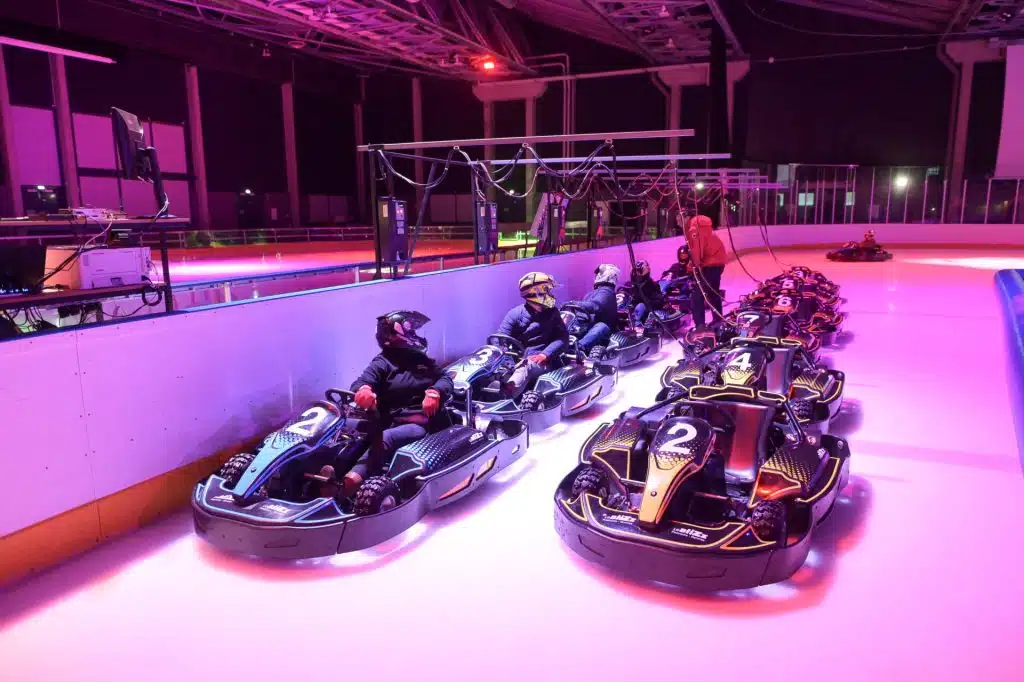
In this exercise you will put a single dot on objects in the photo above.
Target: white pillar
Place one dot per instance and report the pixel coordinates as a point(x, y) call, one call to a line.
point(675, 115)
point(489, 150)
point(360, 135)
point(417, 123)
point(291, 157)
point(531, 170)
point(195, 134)
point(65, 133)
point(12, 171)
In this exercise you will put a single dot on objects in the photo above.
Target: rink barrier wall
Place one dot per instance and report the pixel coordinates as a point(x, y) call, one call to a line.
point(1010, 286)
point(116, 422)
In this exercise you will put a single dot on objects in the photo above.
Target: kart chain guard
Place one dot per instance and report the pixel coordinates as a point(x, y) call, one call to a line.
point(682, 375)
point(789, 471)
point(563, 380)
point(813, 384)
point(434, 452)
point(680, 449)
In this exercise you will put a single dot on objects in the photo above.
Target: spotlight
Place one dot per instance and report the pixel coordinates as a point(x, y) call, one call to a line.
point(699, 186)
point(247, 192)
point(901, 182)
point(488, 65)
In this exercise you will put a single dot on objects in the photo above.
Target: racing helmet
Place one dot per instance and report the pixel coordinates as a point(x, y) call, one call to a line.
point(683, 254)
point(607, 273)
point(869, 235)
point(641, 269)
point(536, 288)
point(398, 330)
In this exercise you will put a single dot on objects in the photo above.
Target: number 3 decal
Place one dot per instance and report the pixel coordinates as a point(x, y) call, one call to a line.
point(310, 424)
point(677, 445)
point(482, 356)
point(741, 362)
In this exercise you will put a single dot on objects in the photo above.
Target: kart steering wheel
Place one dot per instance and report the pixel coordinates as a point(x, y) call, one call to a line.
point(339, 396)
point(506, 341)
point(751, 343)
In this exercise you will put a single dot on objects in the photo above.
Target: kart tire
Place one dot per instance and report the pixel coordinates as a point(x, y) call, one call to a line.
point(531, 401)
point(597, 353)
point(769, 521)
point(235, 467)
point(375, 495)
point(590, 480)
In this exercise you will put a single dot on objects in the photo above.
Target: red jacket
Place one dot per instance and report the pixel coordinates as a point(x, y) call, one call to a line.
point(706, 248)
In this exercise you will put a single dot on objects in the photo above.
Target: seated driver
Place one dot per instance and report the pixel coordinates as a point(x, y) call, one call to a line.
point(869, 240)
point(603, 309)
point(406, 387)
point(537, 325)
point(678, 273)
point(648, 294)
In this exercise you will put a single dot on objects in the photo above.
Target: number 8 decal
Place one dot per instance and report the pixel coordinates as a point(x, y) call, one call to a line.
point(677, 445)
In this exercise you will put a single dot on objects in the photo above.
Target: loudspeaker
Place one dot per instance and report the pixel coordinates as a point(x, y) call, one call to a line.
point(394, 229)
point(485, 220)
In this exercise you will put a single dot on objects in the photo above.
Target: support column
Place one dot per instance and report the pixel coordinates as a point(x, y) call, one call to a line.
point(735, 72)
point(531, 170)
point(65, 132)
point(360, 135)
point(291, 157)
point(417, 133)
point(12, 171)
point(675, 115)
point(966, 54)
point(489, 150)
point(195, 135)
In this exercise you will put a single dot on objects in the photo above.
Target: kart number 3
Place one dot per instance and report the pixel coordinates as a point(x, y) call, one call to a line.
point(482, 356)
point(678, 445)
point(310, 424)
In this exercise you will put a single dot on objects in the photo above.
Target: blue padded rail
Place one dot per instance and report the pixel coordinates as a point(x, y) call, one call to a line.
point(1010, 284)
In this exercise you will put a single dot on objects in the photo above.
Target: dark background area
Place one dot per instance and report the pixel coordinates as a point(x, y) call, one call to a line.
point(826, 94)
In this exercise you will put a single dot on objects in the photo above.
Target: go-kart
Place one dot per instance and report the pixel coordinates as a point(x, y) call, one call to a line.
point(561, 392)
point(666, 320)
point(806, 311)
point(780, 367)
point(719, 489)
point(625, 348)
point(286, 500)
point(804, 273)
point(859, 252)
point(757, 323)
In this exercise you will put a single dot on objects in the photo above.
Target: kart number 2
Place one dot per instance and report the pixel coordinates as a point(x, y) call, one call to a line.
point(310, 424)
point(678, 445)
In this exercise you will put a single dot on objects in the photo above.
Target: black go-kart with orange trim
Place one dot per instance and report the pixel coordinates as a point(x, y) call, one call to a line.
point(807, 311)
point(625, 348)
point(561, 392)
point(754, 322)
point(807, 276)
point(768, 364)
point(286, 499)
point(859, 252)
point(719, 489)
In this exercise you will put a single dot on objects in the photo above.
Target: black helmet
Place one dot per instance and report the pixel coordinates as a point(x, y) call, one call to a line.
point(683, 254)
point(641, 269)
point(398, 330)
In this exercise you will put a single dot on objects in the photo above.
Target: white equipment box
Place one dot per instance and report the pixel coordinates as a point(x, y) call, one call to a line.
point(97, 268)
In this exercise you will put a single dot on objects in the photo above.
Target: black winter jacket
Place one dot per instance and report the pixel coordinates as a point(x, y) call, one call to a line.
point(540, 331)
point(602, 305)
point(400, 378)
point(647, 290)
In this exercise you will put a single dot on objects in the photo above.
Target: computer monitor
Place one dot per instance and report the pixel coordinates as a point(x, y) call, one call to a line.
point(42, 199)
point(136, 160)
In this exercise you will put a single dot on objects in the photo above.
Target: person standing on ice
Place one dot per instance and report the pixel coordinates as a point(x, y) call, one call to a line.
point(707, 263)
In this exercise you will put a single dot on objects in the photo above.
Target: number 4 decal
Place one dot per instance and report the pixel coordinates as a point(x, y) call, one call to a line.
point(677, 445)
point(741, 362)
point(310, 424)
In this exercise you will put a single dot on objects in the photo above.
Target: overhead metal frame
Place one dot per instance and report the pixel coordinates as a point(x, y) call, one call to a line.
point(450, 41)
point(948, 17)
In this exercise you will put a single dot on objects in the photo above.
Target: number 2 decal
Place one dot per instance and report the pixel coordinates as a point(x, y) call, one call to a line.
point(741, 362)
point(310, 424)
point(482, 356)
point(677, 445)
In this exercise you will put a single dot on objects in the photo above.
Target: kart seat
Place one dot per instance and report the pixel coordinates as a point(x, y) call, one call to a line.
point(779, 370)
point(434, 452)
point(743, 448)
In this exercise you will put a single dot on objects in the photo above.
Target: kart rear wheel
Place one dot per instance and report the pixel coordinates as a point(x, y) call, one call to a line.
point(597, 353)
point(375, 495)
point(235, 467)
point(769, 521)
point(531, 401)
point(590, 480)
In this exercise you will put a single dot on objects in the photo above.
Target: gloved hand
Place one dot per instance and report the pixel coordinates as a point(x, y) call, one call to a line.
point(431, 402)
point(538, 359)
point(366, 399)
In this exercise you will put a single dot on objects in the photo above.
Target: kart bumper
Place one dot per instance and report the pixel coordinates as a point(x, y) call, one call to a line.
point(278, 529)
point(705, 569)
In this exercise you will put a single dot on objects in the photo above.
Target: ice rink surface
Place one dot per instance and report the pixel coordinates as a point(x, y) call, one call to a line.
point(915, 576)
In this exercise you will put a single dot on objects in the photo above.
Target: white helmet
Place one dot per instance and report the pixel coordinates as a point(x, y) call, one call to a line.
point(606, 274)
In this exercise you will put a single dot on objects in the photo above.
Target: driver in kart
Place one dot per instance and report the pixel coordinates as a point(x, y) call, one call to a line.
point(406, 386)
point(537, 325)
point(869, 240)
point(603, 309)
point(678, 273)
point(648, 292)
